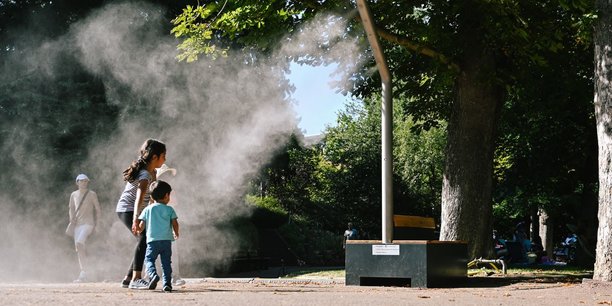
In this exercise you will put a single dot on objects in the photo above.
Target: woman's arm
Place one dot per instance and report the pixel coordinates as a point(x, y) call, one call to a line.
point(141, 226)
point(139, 205)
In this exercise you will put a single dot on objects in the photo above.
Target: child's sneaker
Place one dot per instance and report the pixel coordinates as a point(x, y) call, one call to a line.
point(167, 288)
point(139, 284)
point(153, 282)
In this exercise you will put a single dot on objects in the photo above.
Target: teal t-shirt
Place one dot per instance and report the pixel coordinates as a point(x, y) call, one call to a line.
point(158, 221)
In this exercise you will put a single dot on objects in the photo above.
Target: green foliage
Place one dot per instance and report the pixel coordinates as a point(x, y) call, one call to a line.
point(521, 34)
point(546, 153)
point(539, 161)
point(546, 146)
point(313, 244)
point(197, 34)
point(287, 178)
point(267, 212)
point(338, 180)
point(267, 203)
point(349, 169)
point(206, 29)
point(317, 272)
point(419, 162)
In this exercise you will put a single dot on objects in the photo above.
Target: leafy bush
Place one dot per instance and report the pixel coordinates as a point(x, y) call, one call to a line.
point(267, 212)
point(313, 244)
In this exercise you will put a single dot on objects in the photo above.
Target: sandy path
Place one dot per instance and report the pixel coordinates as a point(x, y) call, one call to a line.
point(304, 292)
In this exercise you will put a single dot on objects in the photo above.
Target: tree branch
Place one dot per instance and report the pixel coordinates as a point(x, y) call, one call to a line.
point(407, 43)
point(399, 40)
point(404, 42)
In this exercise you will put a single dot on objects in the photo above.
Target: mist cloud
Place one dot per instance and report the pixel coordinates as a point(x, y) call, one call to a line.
point(221, 120)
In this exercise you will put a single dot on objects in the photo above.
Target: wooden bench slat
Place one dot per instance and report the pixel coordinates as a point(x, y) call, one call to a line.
point(413, 221)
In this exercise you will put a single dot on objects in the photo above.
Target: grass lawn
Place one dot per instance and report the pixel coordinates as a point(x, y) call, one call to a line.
point(317, 272)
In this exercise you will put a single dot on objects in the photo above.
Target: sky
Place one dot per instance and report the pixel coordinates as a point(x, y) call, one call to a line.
point(317, 103)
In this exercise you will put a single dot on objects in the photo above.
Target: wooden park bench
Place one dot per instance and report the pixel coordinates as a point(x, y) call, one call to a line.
point(414, 228)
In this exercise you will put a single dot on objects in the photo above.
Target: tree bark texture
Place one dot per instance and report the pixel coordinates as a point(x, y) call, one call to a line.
point(546, 232)
point(603, 115)
point(466, 191)
point(534, 224)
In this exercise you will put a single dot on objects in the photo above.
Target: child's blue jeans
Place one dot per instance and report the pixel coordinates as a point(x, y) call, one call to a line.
point(163, 248)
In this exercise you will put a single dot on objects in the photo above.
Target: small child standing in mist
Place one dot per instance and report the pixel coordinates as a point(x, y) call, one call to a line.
point(160, 221)
point(164, 172)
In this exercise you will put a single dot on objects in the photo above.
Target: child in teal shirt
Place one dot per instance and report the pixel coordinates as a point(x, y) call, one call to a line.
point(160, 221)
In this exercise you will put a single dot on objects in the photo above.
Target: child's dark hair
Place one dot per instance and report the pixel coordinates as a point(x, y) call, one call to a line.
point(159, 189)
point(151, 147)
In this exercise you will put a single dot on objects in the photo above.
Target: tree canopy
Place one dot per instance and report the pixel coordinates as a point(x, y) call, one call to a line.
point(457, 61)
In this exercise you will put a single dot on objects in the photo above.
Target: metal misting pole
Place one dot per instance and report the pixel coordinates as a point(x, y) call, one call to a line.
point(387, 122)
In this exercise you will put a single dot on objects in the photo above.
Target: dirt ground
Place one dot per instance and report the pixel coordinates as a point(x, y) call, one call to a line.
point(256, 291)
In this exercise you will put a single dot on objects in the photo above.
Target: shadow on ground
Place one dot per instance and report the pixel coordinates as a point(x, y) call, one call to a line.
point(510, 279)
point(529, 275)
point(544, 274)
point(283, 272)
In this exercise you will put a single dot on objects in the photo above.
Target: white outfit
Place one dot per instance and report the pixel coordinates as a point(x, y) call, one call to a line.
point(81, 232)
point(85, 222)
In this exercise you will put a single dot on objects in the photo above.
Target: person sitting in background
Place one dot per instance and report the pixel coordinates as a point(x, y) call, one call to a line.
point(350, 233)
point(522, 239)
point(537, 248)
point(501, 251)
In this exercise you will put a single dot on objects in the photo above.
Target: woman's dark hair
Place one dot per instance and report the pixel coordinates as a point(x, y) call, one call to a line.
point(151, 147)
point(159, 189)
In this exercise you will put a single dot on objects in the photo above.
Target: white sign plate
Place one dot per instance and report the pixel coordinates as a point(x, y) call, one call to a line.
point(386, 249)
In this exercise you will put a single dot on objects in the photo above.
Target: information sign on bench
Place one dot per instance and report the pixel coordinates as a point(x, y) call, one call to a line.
point(385, 249)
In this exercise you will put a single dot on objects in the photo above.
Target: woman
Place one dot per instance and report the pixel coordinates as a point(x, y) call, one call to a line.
point(134, 198)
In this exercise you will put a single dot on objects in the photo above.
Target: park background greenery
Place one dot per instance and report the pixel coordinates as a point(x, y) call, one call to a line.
point(545, 151)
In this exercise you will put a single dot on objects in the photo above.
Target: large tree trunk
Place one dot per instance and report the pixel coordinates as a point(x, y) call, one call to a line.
point(468, 174)
point(603, 114)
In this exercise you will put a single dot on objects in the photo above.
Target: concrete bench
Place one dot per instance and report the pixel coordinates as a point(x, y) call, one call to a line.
point(414, 263)
point(415, 258)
